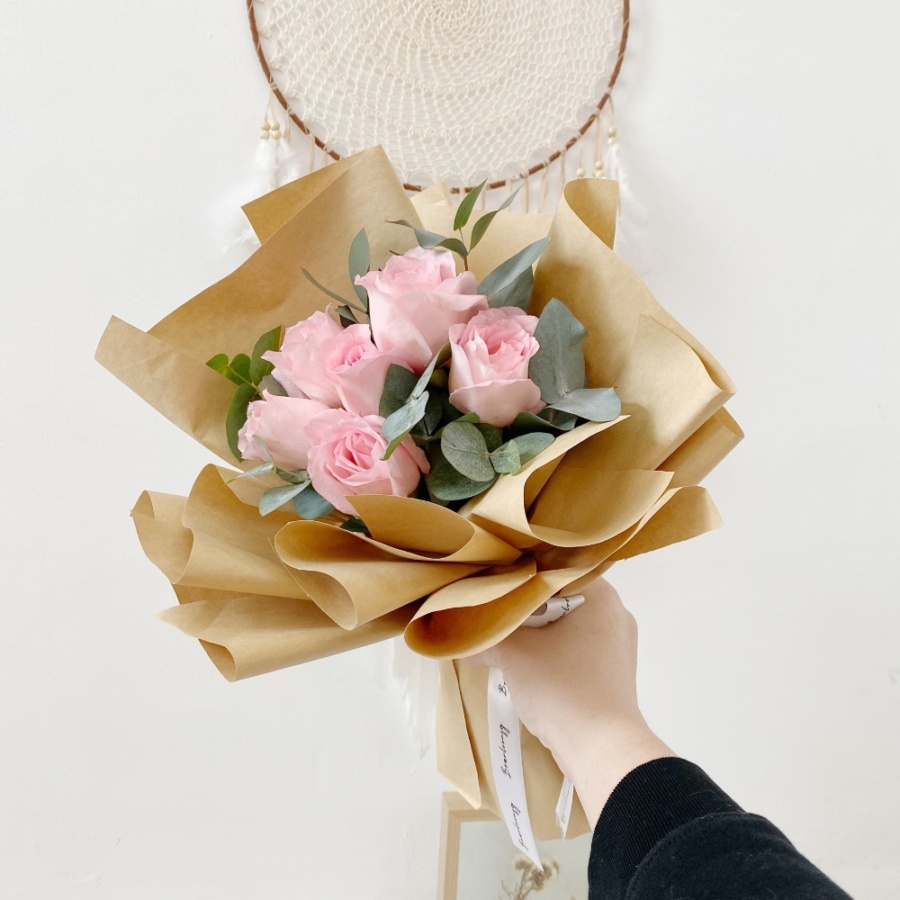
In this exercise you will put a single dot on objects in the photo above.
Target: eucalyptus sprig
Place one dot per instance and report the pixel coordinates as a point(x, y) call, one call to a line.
point(248, 373)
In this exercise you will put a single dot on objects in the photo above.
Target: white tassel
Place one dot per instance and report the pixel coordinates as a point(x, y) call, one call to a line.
point(275, 163)
point(289, 163)
point(266, 159)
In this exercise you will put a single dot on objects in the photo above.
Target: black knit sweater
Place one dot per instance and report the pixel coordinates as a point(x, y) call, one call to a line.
point(668, 832)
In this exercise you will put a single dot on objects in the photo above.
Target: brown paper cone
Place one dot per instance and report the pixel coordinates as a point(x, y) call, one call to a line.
point(251, 634)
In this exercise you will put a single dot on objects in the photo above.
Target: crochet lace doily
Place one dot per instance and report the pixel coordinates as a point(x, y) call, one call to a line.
point(454, 90)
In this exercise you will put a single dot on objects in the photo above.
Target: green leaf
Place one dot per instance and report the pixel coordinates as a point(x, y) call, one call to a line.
point(557, 419)
point(264, 469)
point(260, 367)
point(219, 363)
point(464, 210)
point(300, 477)
point(399, 424)
point(454, 244)
point(237, 414)
point(359, 264)
point(345, 314)
point(439, 359)
point(464, 447)
point(447, 484)
point(310, 504)
point(398, 387)
point(355, 524)
point(428, 240)
point(558, 366)
point(481, 226)
point(342, 300)
point(529, 445)
point(278, 496)
point(493, 436)
point(593, 404)
point(434, 412)
point(505, 459)
point(516, 294)
point(241, 365)
point(507, 272)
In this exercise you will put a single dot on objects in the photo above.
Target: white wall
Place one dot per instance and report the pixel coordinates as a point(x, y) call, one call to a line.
point(762, 140)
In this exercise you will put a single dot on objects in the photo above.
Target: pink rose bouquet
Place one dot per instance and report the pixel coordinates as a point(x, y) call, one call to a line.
point(426, 384)
point(432, 445)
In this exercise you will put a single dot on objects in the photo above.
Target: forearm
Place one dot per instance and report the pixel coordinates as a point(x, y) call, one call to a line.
point(667, 830)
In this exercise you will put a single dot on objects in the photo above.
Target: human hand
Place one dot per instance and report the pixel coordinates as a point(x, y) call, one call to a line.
point(573, 684)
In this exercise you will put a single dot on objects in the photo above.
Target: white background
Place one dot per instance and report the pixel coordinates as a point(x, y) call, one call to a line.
point(762, 140)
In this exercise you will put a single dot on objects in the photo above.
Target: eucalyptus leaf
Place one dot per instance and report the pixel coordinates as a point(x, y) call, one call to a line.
point(516, 294)
point(439, 359)
point(309, 504)
point(558, 419)
point(264, 469)
point(275, 497)
point(241, 365)
point(493, 436)
point(481, 226)
point(447, 484)
point(219, 363)
point(359, 264)
point(558, 366)
point(505, 459)
point(507, 272)
point(399, 424)
point(464, 447)
point(237, 415)
point(355, 524)
point(428, 240)
point(529, 445)
point(341, 300)
point(550, 421)
point(593, 404)
point(260, 367)
point(464, 210)
point(454, 244)
point(434, 411)
point(300, 477)
point(398, 387)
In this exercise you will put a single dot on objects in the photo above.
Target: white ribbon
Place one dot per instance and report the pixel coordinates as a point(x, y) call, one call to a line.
point(506, 746)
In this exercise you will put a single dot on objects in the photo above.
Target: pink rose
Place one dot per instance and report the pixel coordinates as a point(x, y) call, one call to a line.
point(282, 423)
point(415, 299)
point(300, 363)
point(345, 459)
point(358, 369)
point(489, 365)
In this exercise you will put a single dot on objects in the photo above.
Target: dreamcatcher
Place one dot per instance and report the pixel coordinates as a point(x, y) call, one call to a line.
point(517, 92)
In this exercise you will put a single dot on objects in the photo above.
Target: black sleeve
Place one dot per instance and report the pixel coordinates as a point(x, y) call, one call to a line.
point(668, 830)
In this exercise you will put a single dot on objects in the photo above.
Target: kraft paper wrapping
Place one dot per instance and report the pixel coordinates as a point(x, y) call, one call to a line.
point(262, 593)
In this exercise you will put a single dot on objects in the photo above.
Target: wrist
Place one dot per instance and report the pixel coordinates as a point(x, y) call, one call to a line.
point(604, 755)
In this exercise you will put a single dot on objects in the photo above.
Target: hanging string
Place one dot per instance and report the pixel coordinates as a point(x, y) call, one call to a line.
point(543, 204)
point(599, 145)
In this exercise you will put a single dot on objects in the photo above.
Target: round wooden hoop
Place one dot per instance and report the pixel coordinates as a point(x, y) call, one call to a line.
point(623, 43)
